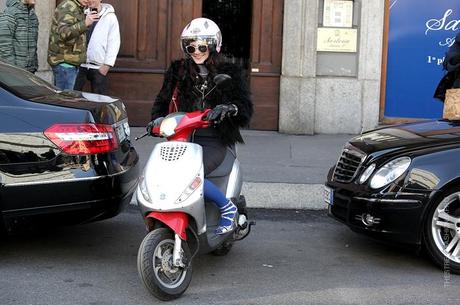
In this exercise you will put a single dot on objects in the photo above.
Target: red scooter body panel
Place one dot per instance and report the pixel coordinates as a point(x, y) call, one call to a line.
point(177, 221)
point(190, 122)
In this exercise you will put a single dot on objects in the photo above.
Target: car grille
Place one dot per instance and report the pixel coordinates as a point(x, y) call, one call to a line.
point(172, 152)
point(348, 165)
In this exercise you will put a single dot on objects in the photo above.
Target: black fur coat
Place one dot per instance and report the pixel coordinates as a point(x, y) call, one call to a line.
point(184, 75)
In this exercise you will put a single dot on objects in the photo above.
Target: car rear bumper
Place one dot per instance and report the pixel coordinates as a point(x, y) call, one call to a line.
point(71, 201)
point(387, 218)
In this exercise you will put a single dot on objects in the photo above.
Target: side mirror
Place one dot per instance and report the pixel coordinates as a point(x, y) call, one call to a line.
point(223, 81)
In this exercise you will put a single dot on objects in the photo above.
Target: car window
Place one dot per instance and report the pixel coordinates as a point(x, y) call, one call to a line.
point(24, 84)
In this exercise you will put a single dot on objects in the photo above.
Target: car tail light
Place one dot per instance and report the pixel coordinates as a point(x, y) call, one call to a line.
point(83, 139)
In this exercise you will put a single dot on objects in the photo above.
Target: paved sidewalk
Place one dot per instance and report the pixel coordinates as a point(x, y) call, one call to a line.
point(280, 171)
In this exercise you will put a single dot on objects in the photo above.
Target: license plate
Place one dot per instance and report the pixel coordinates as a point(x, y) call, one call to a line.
point(123, 131)
point(328, 195)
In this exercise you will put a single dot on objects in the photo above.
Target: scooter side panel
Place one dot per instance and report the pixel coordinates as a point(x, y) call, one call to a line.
point(230, 185)
point(235, 181)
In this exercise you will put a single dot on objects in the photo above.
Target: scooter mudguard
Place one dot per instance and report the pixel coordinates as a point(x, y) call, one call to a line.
point(177, 221)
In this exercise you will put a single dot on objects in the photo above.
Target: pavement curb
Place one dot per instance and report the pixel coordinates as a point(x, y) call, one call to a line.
point(284, 195)
point(281, 196)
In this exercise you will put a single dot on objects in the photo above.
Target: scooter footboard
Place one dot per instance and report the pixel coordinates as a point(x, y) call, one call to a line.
point(177, 221)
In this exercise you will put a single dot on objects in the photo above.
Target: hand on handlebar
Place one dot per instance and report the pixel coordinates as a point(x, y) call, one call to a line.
point(155, 123)
point(222, 111)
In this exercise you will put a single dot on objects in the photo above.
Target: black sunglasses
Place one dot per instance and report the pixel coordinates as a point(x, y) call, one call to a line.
point(191, 49)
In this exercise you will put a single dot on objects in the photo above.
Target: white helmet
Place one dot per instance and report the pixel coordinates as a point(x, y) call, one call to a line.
point(203, 29)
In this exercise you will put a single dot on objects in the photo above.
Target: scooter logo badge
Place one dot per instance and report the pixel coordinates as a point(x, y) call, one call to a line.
point(162, 196)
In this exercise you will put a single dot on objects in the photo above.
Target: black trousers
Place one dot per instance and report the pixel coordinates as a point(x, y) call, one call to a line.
point(213, 152)
point(99, 83)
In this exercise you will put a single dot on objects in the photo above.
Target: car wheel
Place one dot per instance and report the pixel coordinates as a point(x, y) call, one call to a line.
point(442, 231)
point(156, 270)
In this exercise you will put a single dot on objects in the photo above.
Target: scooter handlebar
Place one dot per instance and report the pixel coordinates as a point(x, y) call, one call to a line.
point(193, 120)
point(142, 136)
point(204, 117)
point(155, 133)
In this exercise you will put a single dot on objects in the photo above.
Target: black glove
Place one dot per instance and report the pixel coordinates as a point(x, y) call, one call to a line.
point(154, 124)
point(222, 111)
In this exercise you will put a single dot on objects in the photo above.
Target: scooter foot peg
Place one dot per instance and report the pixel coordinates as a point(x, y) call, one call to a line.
point(243, 231)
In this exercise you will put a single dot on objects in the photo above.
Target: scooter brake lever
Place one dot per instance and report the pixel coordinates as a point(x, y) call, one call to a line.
point(142, 136)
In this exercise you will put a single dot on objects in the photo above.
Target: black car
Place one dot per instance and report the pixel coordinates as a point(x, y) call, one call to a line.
point(65, 156)
point(402, 183)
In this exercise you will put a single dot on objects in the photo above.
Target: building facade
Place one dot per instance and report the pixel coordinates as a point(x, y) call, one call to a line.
point(330, 92)
point(314, 66)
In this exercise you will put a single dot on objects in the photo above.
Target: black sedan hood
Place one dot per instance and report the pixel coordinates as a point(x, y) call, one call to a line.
point(104, 109)
point(408, 136)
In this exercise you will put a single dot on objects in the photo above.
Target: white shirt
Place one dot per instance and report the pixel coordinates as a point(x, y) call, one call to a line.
point(105, 40)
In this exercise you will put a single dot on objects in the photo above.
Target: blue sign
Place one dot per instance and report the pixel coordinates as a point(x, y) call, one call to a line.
point(420, 33)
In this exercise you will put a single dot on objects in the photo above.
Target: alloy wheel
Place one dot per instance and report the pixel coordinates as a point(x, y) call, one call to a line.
point(445, 227)
point(167, 274)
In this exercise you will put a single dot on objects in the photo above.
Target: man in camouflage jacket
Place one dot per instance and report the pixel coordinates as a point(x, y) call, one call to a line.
point(67, 43)
point(18, 34)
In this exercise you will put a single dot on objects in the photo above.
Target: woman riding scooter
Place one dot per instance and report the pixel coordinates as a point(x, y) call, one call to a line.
point(188, 86)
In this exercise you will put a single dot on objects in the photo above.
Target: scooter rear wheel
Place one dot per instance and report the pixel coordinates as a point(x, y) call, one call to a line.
point(223, 249)
point(154, 264)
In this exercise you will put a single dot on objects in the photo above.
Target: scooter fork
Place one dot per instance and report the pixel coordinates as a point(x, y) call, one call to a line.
point(178, 253)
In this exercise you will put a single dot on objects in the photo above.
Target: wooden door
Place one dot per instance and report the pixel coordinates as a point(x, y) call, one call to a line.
point(266, 46)
point(150, 31)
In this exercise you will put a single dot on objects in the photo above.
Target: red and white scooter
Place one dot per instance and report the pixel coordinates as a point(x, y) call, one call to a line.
point(181, 223)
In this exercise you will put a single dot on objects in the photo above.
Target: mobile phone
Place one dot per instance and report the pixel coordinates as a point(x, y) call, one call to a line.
point(93, 10)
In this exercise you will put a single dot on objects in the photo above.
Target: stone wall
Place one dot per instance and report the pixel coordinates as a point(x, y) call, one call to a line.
point(329, 104)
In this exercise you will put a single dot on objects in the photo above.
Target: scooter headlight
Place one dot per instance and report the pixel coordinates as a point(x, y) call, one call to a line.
point(168, 126)
point(390, 172)
point(143, 189)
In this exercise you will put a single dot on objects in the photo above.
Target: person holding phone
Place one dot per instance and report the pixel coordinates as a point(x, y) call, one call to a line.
point(103, 38)
point(67, 41)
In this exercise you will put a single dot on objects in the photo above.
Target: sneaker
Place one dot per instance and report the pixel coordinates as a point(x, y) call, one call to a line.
point(228, 216)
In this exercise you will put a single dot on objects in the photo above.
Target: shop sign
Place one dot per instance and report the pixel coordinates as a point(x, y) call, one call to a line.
point(337, 40)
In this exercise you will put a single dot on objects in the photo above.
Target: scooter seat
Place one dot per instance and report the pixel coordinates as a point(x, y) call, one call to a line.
point(226, 166)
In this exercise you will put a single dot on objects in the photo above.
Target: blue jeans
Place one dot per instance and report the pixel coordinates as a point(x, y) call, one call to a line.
point(64, 77)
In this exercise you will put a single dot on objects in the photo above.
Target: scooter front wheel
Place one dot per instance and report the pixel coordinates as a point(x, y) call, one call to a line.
point(155, 265)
